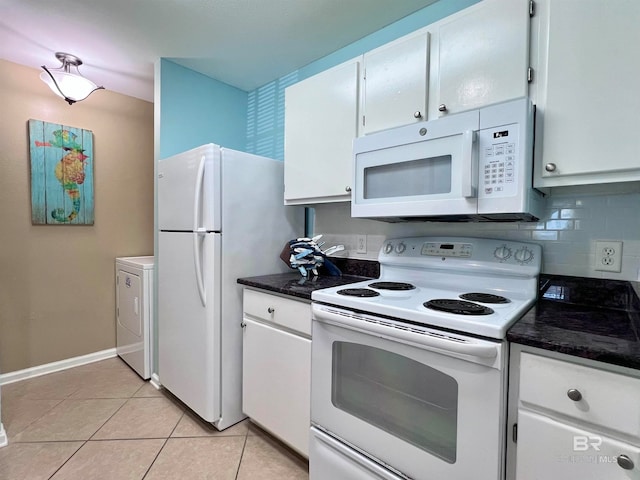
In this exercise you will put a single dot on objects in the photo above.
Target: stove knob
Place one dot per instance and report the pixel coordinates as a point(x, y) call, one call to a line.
point(401, 247)
point(388, 248)
point(523, 255)
point(502, 253)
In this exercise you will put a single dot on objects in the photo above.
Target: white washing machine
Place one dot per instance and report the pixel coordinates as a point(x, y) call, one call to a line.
point(134, 312)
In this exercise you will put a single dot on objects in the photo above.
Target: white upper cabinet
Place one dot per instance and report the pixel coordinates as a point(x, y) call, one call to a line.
point(321, 120)
point(481, 56)
point(395, 83)
point(476, 57)
point(587, 60)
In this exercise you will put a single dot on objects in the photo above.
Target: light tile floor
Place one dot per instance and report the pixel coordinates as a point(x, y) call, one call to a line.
point(103, 422)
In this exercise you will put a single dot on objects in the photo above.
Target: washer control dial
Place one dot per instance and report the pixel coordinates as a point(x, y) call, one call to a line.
point(388, 248)
point(401, 247)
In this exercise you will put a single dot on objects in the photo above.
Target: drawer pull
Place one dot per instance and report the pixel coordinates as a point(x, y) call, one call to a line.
point(271, 309)
point(574, 394)
point(625, 462)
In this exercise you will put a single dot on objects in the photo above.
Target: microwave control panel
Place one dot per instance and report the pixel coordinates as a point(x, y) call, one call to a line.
point(499, 162)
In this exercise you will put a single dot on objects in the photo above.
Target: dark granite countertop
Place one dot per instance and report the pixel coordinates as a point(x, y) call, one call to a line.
point(296, 285)
point(592, 318)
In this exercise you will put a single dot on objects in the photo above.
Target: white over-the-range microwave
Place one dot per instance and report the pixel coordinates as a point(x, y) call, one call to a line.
point(471, 166)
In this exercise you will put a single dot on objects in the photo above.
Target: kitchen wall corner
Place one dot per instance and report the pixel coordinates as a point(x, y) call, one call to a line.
point(57, 292)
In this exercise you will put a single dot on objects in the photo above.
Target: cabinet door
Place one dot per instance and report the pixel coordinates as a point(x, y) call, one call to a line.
point(548, 449)
point(276, 382)
point(483, 56)
point(586, 90)
point(321, 117)
point(396, 83)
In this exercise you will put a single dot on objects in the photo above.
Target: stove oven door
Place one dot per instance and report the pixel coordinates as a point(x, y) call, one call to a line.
point(427, 403)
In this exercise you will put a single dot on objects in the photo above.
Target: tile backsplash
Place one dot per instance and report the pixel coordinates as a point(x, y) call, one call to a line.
point(575, 218)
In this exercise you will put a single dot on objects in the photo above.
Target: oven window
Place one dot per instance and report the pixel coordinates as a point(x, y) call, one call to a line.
point(405, 398)
point(425, 176)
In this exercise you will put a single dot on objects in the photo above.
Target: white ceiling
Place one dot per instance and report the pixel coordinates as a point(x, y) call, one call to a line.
point(245, 43)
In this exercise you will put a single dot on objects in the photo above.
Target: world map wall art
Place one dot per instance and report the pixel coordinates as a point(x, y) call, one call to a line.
point(61, 174)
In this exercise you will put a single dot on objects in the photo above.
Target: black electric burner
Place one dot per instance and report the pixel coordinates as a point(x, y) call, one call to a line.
point(459, 307)
point(392, 286)
point(484, 298)
point(358, 292)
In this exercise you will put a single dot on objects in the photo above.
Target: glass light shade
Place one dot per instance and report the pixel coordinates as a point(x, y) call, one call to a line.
point(72, 86)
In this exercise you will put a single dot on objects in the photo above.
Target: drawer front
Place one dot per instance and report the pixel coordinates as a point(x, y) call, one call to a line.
point(606, 399)
point(292, 314)
point(548, 449)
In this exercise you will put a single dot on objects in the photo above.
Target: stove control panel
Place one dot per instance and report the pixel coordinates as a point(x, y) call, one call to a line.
point(438, 249)
point(463, 253)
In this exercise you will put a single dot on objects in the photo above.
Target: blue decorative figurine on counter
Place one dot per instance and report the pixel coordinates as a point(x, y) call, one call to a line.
point(304, 254)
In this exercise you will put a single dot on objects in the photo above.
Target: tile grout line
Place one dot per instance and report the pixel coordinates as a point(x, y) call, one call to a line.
point(67, 460)
point(110, 416)
point(166, 440)
point(34, 420)
point(244, 446)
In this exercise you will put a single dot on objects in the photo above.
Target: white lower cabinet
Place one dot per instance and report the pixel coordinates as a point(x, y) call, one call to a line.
point(276, 370)
point(550, 449)
point(575, 418)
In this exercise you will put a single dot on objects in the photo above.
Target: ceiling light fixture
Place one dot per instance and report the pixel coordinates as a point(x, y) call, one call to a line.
point(73, 87)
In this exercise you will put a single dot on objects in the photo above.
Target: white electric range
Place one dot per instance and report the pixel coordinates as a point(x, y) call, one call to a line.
point(409, 370)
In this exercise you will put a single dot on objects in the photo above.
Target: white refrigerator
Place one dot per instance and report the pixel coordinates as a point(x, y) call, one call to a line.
point(221, 216)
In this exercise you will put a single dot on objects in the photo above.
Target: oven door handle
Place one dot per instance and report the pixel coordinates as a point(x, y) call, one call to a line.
point(407, 334)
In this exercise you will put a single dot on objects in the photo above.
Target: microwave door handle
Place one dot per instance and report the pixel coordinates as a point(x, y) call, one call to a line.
point(468, 184)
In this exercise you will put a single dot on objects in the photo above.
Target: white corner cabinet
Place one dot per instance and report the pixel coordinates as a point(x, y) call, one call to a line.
point(276, 366)
point(321, 120)
point(473, 58)
point(587, 64)
point(575, 419)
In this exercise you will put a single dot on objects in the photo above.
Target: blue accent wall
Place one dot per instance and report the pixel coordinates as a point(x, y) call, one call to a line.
point(265, 125)
point(196, 109)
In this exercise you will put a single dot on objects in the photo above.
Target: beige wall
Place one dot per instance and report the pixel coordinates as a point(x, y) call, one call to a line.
point(57, 297)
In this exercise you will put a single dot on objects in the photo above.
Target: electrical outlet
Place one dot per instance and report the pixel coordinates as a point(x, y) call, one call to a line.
point(361, 244)
point(608, 256)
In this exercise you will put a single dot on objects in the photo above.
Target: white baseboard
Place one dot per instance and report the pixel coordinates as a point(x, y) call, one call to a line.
point(3, 437)
point(18, 375)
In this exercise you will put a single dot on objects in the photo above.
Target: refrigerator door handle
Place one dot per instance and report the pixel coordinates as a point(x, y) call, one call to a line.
point(197, 197)
point(197, 258)
point(198, 231)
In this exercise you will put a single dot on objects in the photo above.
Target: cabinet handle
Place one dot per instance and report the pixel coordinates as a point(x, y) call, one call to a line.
point(271, 309)
point(347, 189)
point(625, 462)
point(550, 167)
point(574, 394)
point(417, 115)
point(442, 107)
